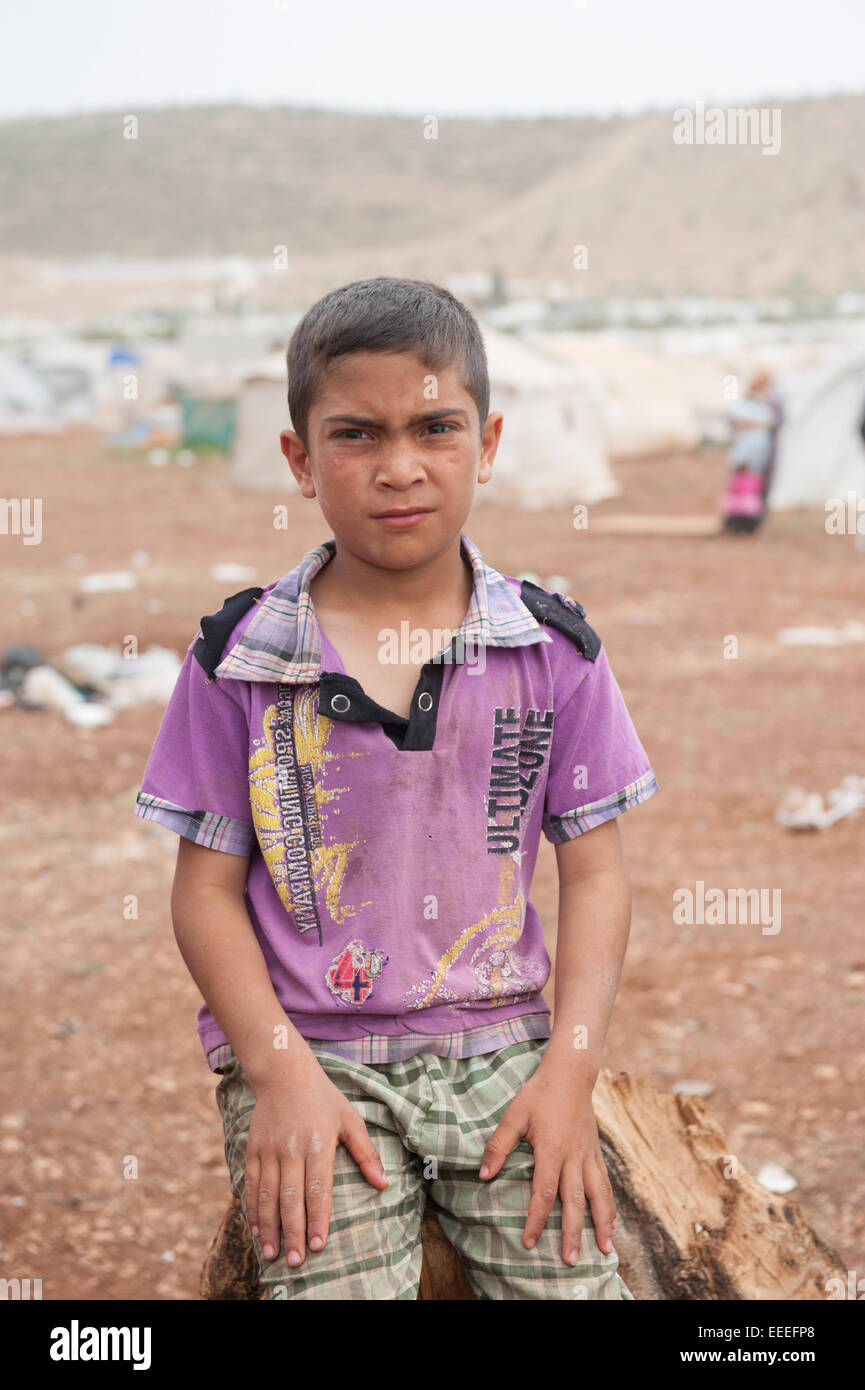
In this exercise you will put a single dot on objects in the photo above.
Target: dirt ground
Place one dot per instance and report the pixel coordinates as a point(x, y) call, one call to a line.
point(104, 1076)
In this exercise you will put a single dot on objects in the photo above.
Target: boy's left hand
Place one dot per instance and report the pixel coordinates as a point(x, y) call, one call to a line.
point(554, 1113)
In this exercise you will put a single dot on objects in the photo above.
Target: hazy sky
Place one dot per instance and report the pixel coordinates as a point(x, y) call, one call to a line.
point(442, 56)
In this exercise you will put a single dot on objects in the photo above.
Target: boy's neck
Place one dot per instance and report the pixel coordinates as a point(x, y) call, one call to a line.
point(354, 585)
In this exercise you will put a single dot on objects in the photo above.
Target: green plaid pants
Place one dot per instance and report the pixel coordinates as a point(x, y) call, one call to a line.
point(429, 1117)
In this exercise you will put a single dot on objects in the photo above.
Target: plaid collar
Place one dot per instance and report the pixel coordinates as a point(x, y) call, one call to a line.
point(283, 640)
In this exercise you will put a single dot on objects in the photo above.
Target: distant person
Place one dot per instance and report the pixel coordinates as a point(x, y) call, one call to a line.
point(755, 420)
point(775, 399)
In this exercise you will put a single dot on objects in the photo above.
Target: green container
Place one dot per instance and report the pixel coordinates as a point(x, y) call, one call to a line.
point(208, 425)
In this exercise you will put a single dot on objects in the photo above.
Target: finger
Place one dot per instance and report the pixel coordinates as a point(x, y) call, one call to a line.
point(355, 1138)
point(268, 1207)
point(602, 1203)
point(251, 1176)
point(509, 1130)
point(319, 1191)
point(291, 1208)
point(573, 1211)
point(545, 1188)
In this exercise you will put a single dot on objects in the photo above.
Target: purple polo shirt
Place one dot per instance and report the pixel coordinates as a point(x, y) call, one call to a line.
point(390, 859)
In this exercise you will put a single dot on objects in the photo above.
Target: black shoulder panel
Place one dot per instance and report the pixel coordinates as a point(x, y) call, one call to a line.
point(216, 628)
point(556, 611)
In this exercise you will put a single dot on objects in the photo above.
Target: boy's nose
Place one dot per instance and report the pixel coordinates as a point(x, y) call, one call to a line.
point(400, 464)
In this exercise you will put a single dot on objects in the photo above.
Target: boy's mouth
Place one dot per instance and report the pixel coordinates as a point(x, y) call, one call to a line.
point(402, 516)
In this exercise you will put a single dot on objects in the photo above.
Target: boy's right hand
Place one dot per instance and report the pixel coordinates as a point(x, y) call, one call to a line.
point(300, 1116)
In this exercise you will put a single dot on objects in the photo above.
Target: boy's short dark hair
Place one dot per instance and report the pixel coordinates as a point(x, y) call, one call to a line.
point(384, 315)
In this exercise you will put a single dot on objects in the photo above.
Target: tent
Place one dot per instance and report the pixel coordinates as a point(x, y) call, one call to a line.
point(26, 401)
point(820, 452)
point(553, 448)
point(552, 451)
point(262, 412)
point(650, 402)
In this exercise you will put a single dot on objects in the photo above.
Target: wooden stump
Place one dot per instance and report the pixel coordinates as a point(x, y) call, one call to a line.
point(230, 1272)
point(695, 1223)
point(692, 1222)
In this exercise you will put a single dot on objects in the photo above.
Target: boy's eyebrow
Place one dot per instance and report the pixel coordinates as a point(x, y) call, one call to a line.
point(422, 417)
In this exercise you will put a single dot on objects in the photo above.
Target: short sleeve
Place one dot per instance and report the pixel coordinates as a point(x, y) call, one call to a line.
point(196, 780)
point(598, 767)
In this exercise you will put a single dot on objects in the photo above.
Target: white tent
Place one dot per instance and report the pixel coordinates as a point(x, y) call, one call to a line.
point(650, 402)
point(262, 412)
point(820, 452)
point(552, 450)
point(26, 401)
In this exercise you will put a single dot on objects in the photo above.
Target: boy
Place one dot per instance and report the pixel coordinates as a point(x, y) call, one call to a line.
point(359, 759)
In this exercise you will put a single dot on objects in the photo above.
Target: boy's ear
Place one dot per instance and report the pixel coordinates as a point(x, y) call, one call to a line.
point(295, 452)
point(490, 436)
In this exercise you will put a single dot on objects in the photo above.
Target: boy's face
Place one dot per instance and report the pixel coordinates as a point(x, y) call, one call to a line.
point(387, 434)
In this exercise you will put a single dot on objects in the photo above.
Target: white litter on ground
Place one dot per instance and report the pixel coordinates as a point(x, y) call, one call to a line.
point(852, 631)
point(119, 582)
point(126, 682)
point(45, 688)
point(119, 682)
point(559, 584)
point(232, 574)
point(776, 1178)
point(801, 810)
point(556, 583)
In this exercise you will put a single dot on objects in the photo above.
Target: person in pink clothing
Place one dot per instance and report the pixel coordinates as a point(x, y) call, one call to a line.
point(755, 420)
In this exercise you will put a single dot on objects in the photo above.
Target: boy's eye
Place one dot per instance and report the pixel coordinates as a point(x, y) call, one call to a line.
point(352, 431)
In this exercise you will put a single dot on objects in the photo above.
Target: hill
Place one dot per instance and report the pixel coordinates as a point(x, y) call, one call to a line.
point(359, 194)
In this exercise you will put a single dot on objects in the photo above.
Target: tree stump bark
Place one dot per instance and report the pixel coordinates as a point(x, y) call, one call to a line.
point(696, 1224)
point(693, 1224)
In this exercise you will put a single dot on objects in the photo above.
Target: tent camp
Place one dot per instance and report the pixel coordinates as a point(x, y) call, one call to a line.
point(650, 402)
point(820, 452)
point(552, 450)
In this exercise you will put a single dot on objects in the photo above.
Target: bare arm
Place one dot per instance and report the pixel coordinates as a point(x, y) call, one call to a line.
point(300, 1116)
point(216, 939)
point(593, 928)
point(553, 1110)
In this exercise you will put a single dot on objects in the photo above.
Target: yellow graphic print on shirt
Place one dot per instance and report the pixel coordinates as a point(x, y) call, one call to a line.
point(499, 974)
point(288, 801)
